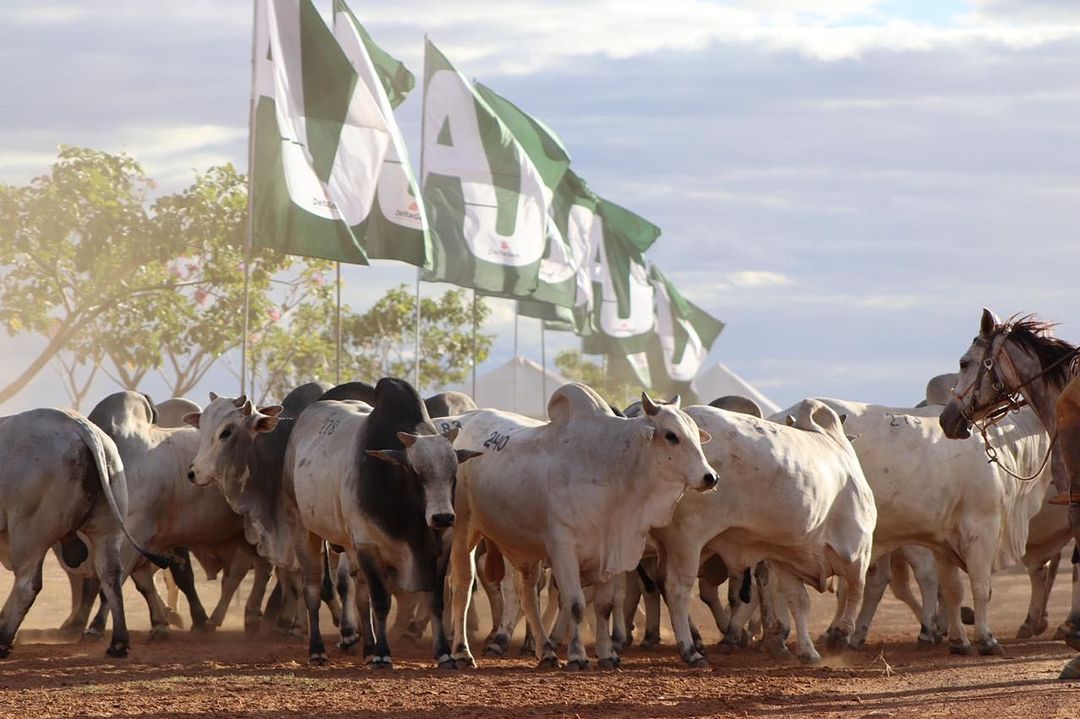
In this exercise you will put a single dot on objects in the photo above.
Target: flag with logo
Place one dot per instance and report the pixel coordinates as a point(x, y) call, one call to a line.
point(685, 332)
point(487, 201)
point(396, 226)
point(322, 135)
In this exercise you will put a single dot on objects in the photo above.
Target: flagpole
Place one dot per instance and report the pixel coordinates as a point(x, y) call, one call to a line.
point(543, 366)
point(420, 188)
point(337, 347)
point(474, 345)
point(515, 405)
point(250, 204)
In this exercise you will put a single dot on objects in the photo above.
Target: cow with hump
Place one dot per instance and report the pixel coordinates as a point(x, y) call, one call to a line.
point(792, 495)
point(376, 482)
point(581, 491)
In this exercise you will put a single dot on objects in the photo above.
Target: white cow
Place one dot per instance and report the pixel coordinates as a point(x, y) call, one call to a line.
point(943, 494)
point(794, 496)
point(582, 491)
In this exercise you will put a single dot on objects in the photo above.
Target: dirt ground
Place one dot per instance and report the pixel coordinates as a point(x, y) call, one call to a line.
point(225, 674)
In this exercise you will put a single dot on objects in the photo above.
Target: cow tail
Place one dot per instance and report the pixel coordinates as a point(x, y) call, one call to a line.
point(744, 588)
point(110, 467)
point(327, 577)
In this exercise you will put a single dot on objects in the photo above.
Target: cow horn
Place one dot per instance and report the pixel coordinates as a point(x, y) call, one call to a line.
point(246, 409)
point(213, 396)
point(239, 401)
point(407, 439)
point(650, 407)
point(675, 401)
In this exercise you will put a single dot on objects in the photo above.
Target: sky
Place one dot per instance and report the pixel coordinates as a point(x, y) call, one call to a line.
point(845, 184)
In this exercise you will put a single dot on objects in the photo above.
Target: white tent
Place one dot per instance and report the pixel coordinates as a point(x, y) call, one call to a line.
point(526, 394)
point(720, 381)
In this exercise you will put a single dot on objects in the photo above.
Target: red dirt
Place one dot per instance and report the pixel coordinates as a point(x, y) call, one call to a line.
point(224, 674)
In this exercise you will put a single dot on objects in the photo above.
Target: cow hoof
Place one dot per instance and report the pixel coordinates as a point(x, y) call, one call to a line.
point(498, 646)
point(650, 641)
point(991, 647)
point(318, 659)
point(158, 634)
point(744, 639)
point(174, 618)
point(1071, 670)
point(725, 647)
point(446, 663)
point(90, 635)
point(348, 644)
point(611, 662)
point(927, 642)
point(1073, 640)
point(577, 665)
point(5, 651)
point(252, 628)
point(836, 641)
point(775, 647)
point(493, 651)
point(810, 658)
point(967, 615)
point(119, 650)
point(699, 663)
point(549, 662)
point(382, 663)
point(960, 648)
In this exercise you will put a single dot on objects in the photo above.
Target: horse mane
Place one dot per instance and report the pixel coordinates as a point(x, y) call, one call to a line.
point(1036, 337)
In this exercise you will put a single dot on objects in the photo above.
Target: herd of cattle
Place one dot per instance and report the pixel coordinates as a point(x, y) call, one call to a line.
point(361, 496)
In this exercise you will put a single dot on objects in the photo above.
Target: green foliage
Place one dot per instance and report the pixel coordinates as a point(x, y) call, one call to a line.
point(377, 343)
point(615, 390)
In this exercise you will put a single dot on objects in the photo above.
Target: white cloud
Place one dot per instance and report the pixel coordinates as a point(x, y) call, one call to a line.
point(757, 278)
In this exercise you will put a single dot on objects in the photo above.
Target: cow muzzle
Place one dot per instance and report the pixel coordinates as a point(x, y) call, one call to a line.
point(709, 481)
point(442, 521)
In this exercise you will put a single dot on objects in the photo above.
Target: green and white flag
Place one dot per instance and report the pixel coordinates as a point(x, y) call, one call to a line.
point(487, 201)
point(322, 137)
point(623, 296)
point(396, 227)
point(685, 332)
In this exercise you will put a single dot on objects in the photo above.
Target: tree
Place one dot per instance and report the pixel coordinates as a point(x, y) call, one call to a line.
point(74, 244)
point(376, 343)
point(575, 367)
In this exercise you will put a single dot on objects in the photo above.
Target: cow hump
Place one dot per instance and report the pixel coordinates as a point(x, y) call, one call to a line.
point(573, 401)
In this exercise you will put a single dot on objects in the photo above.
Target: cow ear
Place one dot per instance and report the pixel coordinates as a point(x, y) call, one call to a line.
point(192, 418)
point(988, 322)
point(789, 421)
point(464, 455)
point(263, 423)
point(705, 436)
point(273, 410)
point(452, 434)
point(648, 405)
point(240, 401)
point(213, 396)
point(407, 439)
point(675, 401)
point(393, 456)
point(843, 418)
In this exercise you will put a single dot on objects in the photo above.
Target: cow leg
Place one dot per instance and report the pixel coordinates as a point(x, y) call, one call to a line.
point(980, 560)
point(774, 629)
point(462, 576)
point(231, 578)
point(507, 618)
point(253, 606)
point(27, 565)
point(96, 630)
point(363, 613)
point(380, 610)
point(1041, 578)
point(107, 566)
point(877, 579)
point(734, 631)
point(565, 569)
point(631, 600)
point(854, 583)
point(346, 589)
point(710, 595)
point(652, 618)
point(952, 592)
point(619, 634)
point(603, 604)
point(902, 563)
point(172, 600)
point(798, 601)
point(183, 573)
point(309, 551)
point(436, 605)
point(83, 592)
point(526, 581)
point(926, 576)
point(143, 577)
point(680, 572)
